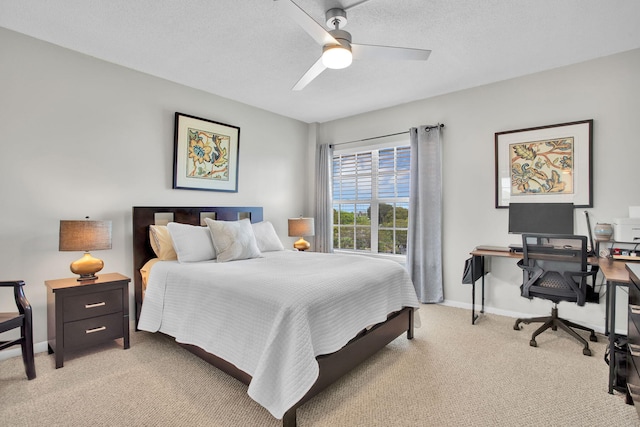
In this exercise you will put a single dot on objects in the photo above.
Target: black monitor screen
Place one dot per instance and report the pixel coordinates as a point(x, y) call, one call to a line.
point(545, 218)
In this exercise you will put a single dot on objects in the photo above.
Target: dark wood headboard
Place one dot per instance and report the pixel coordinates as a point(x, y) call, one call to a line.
point(144, 216)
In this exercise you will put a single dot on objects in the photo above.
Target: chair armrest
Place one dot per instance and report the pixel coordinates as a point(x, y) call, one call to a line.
point(21, 300)
point(524, 266)
point(582, 274)
point(533, 273)
point(12, 283)
point(581, 290)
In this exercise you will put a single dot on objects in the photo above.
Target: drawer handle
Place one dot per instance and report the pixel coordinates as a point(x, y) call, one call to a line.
point(634, 349)
point(97, 304)
point(90, 331)
point(635, 309)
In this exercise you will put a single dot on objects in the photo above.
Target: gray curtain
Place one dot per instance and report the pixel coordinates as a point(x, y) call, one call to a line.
point(324, 212)
point(424, 240)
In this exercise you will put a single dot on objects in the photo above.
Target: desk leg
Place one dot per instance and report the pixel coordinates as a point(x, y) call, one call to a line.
point(473, 303)
point(611, 325)
point(474, 316)
point(482, 267)
point(607, 315)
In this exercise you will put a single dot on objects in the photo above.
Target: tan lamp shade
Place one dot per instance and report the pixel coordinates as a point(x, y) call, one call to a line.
point(85, 236)
point(301, 227)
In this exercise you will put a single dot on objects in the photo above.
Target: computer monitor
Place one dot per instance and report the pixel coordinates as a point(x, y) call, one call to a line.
point(545, 218)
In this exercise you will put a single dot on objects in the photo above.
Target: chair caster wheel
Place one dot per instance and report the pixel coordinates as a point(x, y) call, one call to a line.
point(593, 338)
point(516, 326)
point(586, 352)
point(533, 343)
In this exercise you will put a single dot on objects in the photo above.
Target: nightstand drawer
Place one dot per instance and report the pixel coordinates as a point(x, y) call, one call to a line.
point(92, 331)
point(93, 304)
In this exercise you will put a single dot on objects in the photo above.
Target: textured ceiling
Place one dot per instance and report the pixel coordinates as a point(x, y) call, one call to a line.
point(250, 52)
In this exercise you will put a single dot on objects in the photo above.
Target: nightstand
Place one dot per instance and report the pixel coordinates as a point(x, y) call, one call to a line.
point(82, 314)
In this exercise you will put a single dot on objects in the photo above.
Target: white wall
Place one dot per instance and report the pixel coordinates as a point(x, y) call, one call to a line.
point(79, 136)
point(606, 90)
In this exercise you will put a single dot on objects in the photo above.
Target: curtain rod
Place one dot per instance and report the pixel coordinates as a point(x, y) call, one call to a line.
point(441, 125)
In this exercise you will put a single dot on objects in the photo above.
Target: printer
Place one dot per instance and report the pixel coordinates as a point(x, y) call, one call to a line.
point(626, 230)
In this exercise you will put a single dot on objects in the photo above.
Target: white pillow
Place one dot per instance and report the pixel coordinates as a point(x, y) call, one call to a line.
point(161, 242)
point(233, 240)
point(266, 237)
point(191, 242)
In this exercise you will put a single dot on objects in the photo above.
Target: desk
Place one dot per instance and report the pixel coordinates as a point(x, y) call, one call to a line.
point(478, 256)
point(614, 273)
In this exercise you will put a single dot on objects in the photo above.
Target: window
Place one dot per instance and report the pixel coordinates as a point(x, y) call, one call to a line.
point(371, 199)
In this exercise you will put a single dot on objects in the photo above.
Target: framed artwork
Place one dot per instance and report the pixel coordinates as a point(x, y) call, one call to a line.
point(205, 155)
point(546, 164)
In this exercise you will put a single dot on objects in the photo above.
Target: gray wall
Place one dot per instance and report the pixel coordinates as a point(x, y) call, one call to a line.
point(80, 136)
point(606, 90)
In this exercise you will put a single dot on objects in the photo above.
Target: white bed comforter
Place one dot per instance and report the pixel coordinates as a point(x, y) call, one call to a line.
point(272, 316)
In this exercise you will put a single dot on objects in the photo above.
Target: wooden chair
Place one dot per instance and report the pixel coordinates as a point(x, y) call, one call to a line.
point(22, 320)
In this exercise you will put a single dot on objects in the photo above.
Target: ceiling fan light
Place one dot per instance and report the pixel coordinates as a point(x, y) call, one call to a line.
point(336, 57)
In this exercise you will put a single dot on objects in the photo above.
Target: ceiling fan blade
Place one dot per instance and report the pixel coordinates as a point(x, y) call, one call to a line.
point(311, 74)
point(367, 51)
point(315, 30)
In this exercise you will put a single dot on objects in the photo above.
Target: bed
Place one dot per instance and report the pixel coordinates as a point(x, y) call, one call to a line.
point(313, 358)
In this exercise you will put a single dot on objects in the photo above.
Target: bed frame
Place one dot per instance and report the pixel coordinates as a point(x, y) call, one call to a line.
point(332, 366)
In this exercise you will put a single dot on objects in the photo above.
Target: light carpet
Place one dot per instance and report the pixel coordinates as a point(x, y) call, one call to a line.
point(451, 374)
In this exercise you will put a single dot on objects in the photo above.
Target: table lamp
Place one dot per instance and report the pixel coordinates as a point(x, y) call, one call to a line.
point(301, 227)
point(85, 236)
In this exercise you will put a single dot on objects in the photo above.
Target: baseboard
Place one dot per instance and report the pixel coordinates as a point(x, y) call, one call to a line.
point(16, 351)
point(517, 315)
point(42, 346)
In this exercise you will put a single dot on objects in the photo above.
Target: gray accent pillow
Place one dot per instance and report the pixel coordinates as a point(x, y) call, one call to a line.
point(233, 240)
point(266, 237)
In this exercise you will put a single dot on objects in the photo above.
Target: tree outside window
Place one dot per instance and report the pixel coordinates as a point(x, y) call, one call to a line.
point(371, 200)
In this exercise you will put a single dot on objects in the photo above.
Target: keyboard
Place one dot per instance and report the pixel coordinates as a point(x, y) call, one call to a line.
point(518, 248)
point(493, 248)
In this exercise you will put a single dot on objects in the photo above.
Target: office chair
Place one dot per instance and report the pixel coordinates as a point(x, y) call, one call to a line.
point(22, 320)
point(557, 273)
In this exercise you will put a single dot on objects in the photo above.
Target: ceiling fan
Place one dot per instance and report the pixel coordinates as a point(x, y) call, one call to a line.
point(337, 49)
